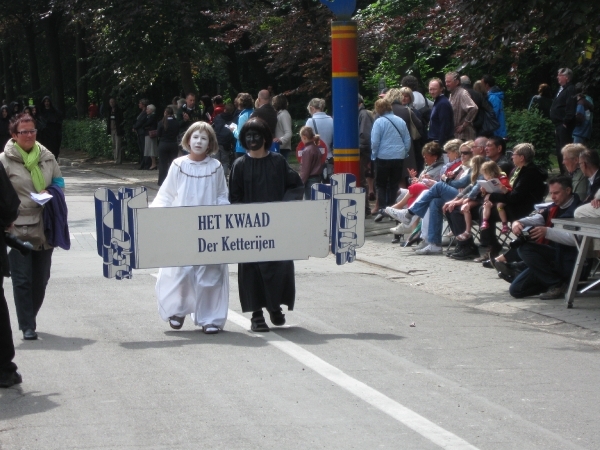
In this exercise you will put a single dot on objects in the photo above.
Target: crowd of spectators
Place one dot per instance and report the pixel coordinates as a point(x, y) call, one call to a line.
point(496, 204)
point(428, 164)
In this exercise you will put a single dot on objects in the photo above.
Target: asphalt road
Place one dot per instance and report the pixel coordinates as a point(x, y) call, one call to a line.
point(348, 371)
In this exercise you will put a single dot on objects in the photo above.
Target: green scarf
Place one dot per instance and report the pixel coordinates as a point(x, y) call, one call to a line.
point(31, 162)
point(515, 175)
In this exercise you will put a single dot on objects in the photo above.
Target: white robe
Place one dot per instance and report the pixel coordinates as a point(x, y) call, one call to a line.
point(202, 291)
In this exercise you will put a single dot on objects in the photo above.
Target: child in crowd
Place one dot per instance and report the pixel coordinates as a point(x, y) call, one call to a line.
point(193, 180)
point(312, 167)
point(490, 171)
point(475, 163)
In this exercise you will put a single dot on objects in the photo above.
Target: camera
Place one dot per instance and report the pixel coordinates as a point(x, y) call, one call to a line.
point(525, 236)
point(15, 243)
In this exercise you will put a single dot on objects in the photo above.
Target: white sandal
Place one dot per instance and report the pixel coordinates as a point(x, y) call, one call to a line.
point(176, 322)
point(210, 329)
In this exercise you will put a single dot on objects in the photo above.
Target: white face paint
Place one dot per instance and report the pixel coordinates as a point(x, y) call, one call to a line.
point(199, 142)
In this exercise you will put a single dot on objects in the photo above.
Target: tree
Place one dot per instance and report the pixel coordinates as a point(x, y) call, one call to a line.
point(489, 32)
point(289, 38)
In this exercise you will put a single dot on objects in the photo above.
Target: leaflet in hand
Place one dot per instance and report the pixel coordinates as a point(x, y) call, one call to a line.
point(41, 199)
point(492, 186)
point(232, 126)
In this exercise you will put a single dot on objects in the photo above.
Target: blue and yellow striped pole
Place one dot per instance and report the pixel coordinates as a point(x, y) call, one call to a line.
point(344, 55)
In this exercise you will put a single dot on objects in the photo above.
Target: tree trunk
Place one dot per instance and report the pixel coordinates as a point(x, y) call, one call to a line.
point(82, 93)
point(8, 81)
point(232, 68)
point(33, 62)
point(185, 69)
point(51, 24)
point(16, 74)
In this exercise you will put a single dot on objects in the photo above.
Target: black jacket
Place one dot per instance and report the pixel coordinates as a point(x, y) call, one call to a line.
point(506, 164)
point(528, 189)
point(267, 113)
point(224, 135)
point(151, 123)
point(117, 116)
point(593, 188)
point(170, 133)
point(564, 107)
point(139, 123)
point(566, 255)
point(9, 210)
point(195, 115)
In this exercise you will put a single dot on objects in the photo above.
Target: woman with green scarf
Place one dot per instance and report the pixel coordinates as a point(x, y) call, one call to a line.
point(31, 168)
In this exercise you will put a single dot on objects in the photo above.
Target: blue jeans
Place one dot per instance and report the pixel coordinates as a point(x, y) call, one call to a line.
point(30, 275)
point(433, 200)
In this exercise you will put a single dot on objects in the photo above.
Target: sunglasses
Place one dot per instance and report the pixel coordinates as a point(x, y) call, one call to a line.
point(465, 153)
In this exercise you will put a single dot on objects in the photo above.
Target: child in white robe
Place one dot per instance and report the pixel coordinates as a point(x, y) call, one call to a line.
point(193, 180)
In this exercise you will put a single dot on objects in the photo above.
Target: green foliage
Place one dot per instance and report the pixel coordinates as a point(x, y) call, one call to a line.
point(531, 126)
point(88, 135)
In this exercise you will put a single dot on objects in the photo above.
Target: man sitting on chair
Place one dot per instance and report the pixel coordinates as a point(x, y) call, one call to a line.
point(549, 254)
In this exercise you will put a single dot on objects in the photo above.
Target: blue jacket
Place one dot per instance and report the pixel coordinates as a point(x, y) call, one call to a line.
point(496, 98)
point(242, 119)
point(55, 212)
point(441, 123)
point(390, 138)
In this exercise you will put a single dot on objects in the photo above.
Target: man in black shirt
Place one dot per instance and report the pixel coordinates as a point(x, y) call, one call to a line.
point(265, 110)
point(562, 113)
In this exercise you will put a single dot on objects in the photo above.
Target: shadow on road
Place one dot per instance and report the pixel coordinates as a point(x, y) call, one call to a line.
point(196, 338)
point(16, 403)
point(48, 341)
point(300, 335)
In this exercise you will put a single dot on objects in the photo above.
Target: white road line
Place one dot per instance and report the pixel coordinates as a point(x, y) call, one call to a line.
point(402, 414)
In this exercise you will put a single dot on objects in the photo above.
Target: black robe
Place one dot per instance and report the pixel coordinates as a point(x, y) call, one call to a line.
point(261, 180)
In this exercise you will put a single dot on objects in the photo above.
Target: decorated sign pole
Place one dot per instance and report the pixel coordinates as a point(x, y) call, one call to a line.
point(344, 75)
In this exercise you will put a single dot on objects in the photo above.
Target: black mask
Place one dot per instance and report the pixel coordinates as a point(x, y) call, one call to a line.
point(254, 140)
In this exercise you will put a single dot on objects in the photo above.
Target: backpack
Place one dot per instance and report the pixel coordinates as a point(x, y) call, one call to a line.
point(327, 167)
point(490, 121)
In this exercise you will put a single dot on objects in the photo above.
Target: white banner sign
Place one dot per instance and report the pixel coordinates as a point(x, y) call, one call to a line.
point(132, 236)
point(191, 236)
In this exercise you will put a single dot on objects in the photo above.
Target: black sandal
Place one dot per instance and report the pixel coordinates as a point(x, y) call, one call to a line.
point(174, 320)
point(259, 325)
point(277, 318)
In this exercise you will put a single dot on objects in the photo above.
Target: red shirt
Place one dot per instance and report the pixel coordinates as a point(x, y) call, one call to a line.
point(93, 111)
point(505, 182)
point(415, 190)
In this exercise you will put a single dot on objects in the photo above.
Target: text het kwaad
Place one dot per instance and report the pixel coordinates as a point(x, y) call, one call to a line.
point(244, 220)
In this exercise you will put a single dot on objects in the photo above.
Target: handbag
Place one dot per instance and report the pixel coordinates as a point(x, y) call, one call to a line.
point(414, 132)
point(153, 133)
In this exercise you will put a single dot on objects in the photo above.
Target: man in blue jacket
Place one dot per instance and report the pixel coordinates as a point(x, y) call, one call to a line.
point(441, 123)
point(496, 98)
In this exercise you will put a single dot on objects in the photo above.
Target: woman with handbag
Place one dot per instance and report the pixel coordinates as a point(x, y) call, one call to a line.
point(390, 145)
point(401, 99)
point(151, 139)
point(31, 167)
